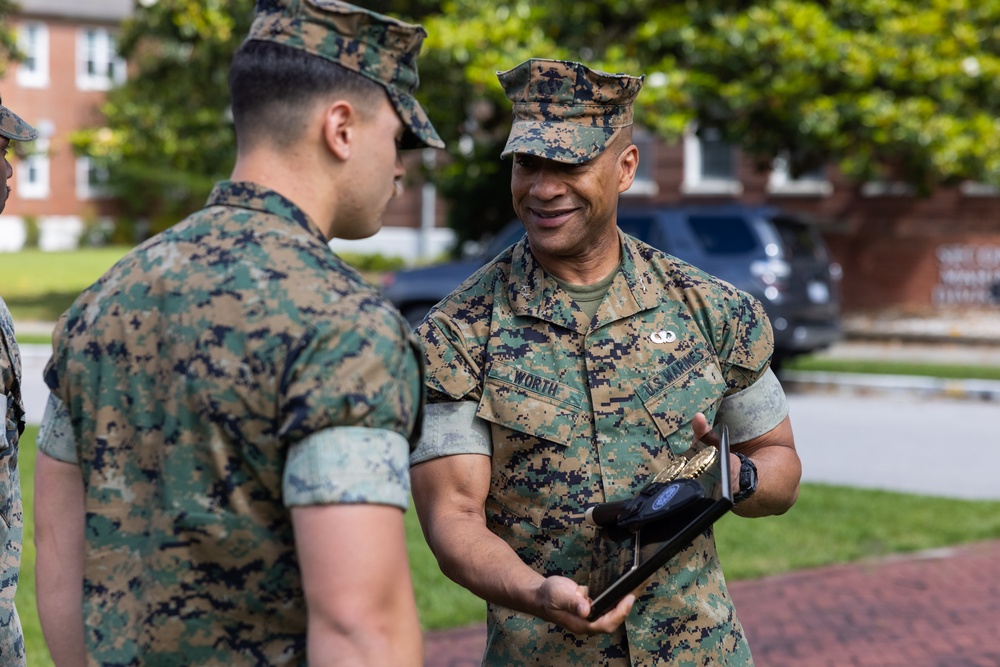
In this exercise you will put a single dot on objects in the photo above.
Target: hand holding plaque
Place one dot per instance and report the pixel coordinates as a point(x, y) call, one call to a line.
point(640, 534)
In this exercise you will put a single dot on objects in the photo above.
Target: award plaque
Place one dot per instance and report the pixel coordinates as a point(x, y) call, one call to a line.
point(639, 535)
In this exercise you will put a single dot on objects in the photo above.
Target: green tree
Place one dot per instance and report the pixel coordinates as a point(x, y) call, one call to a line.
point(9, 52)
point(168, 134)
point(893, 89)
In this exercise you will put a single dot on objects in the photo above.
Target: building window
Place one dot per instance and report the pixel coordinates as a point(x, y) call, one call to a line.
point(810, 183)
point(709, 164)
point(644, 184)
point(33, 176)
point(91, 180)
point(98, 64)
point(33, 41)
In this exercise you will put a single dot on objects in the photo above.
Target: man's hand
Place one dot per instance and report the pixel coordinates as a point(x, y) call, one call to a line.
point(704, 433)
point(778, 467)
point(564, 602)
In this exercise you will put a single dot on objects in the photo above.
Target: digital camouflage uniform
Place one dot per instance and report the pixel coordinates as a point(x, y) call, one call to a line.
point(11, 427)
point(585, 413)
point(576, 412)
point(220, 373)
point(223, 372)
point(11, 519)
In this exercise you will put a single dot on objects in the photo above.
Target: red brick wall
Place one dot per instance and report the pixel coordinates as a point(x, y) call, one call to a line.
point(69, 109)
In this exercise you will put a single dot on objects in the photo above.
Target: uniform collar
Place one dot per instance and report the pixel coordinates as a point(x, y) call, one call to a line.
point(534, 293)
point(244, 194)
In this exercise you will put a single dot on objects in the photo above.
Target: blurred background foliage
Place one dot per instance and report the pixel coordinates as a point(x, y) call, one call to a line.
point(8, 38)
point(901, 90)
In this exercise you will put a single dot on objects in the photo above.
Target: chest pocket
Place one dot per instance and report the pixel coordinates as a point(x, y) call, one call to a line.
point(691, 384)
point(538, 420)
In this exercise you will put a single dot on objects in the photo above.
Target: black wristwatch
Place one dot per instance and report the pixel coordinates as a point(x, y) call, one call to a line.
point(748, 479)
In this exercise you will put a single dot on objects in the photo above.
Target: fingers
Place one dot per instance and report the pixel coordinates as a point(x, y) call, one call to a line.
point(614, 618)
point(703, 431)
point(566, 604)
point(561, 597)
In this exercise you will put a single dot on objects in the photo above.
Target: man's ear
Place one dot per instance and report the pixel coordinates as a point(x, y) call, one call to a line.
point(339, 122)
point(628, 163)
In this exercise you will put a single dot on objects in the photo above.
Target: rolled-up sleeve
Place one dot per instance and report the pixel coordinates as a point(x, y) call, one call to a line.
point(348, 465)
point(452, 428)
point(55, 435)
point(755, 410)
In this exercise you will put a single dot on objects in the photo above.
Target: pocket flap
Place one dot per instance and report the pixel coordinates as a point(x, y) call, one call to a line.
point(533, 404)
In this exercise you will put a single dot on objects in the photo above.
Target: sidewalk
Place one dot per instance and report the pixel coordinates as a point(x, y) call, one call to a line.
point(931, 609)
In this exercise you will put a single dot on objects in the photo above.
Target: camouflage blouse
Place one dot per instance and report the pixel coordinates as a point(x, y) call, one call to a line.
point(227, 369)
point(11, 520)
point(584, 411)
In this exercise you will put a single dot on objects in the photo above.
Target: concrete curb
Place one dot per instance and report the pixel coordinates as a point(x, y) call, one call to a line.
point(987, 390)
point(921, 337)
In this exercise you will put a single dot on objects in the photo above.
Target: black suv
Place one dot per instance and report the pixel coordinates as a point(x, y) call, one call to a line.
point(775, 256)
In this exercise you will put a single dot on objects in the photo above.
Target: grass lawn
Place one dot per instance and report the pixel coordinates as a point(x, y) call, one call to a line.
point(827, 525)
point(39, 286)
point(889, 367)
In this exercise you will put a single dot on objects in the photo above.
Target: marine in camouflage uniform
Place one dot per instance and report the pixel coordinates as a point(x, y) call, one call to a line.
point(12, 128)
point(223, 373)
point(580, 404)
point(11, 427)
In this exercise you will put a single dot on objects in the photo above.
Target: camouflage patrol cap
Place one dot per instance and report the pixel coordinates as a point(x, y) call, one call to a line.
point(565, 111)
point(12, 127)
point(377, 47)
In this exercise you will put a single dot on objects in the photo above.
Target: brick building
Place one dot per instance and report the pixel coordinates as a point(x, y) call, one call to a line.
point(70, 63)
point(896, 249)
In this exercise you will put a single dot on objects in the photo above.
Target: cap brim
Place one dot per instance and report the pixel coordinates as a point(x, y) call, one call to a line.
point(13, 127)
point(562, 142)
point(419, 131)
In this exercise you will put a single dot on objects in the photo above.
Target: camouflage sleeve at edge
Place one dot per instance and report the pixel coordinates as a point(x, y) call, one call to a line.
point(55, 435)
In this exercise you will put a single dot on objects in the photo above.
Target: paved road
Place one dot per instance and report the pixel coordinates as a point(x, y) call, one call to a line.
point(34, 391)
point(899, 442)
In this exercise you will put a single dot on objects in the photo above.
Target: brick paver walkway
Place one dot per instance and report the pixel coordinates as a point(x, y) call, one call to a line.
point(933, 609)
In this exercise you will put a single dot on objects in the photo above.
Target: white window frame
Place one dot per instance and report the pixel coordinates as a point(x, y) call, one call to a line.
point(695, 181)
point(37, 188)
point(780, 181)
point(645, 184)
point(85, 188)
point(33, 40)
point(97, 45)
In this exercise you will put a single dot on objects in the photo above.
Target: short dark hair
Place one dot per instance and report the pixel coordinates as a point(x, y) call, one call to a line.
point(271, 87)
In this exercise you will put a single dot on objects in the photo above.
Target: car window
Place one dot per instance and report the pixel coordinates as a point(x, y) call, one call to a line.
point(799, 240)
point(722, 234)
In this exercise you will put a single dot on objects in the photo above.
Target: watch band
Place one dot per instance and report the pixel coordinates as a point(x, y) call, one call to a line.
point(748, 479)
